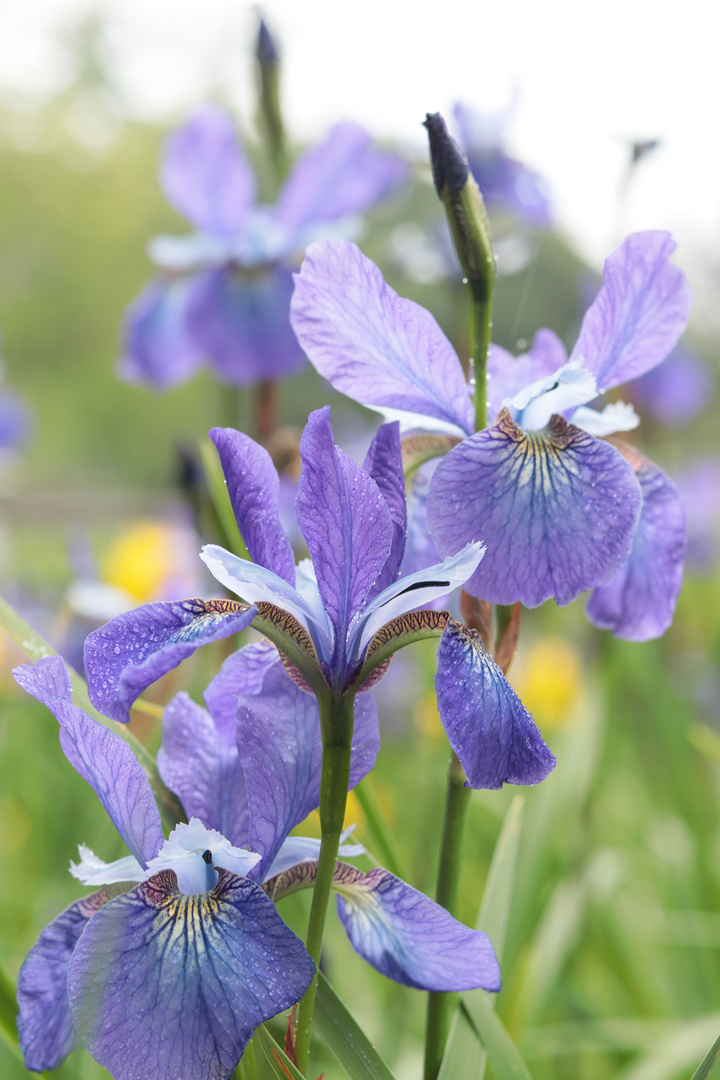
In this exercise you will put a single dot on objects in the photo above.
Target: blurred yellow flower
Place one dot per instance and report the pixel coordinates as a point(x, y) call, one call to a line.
point(547, 676)
point(142, 559)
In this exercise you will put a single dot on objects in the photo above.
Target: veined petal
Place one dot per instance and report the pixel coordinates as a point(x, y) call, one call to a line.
point(639, 603)
point(167, 985)
point(508, 374)
point(411, 939)
point(202, 770)
point(384, 464)
point(133, 650)
point(557, 510)
point(346, 524)
point(617, 416)
point(381, 350)
point(205, 174)
point(94, 871)
point(240, 321)
point(254, 488)
point(158, 349)
point(343, 175)
point(242, 673)
point(100, 756)
point(487, 725)
point(44, 1022)
point(639, 313)
point(417, 590)
point(280, 749)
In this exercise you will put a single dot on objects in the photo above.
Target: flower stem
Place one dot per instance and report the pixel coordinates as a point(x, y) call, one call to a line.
point(480, 331)
point(336, 722)
point(441, 1006)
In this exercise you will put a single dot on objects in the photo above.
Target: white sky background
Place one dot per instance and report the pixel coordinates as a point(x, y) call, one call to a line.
point(584, 77)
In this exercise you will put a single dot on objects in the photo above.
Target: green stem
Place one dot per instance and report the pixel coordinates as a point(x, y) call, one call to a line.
point(441, 1006)
point(336, 722)
point(480, 331)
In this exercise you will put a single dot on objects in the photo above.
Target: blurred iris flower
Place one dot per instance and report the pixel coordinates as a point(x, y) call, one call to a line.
point(16, 420)
point(559, 509)
point(171, 964)
point(224, 291)
point(338, 617)
point(677, 390)
point(505, 183)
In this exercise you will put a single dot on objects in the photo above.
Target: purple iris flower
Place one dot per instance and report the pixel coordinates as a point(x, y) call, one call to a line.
point(337, 617)
point(168, 967)
point(505, 183)
point(559, 509)
point(675, 391)
point(224, 293)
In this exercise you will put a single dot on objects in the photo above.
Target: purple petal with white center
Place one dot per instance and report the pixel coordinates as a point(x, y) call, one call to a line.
point(346, 524)
point(557, 510)
point(203, 772)
point(158, 349)
point(418, 590)
point(133, 650)
point(242, 673)
point(44, 1023)
point(508, 374)
point(410, 938)
point(100, 756)
point(383, 463)
point(369, 343)
point(240, 321)
point(343, 175)
point(487, 725)
point(205, 174)
point(639, 603)
point(167, 985)
point(639, 313)
point(280, 750)
point(254, 489)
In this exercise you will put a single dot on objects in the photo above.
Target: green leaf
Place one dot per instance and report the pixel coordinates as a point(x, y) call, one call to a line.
point(278, 1060)
point(502, 1052)
point(705, 1067)
point(383, 838)
point(344, 1038)
point(220, 497)
point(497, 897)
point(8, 1011)
point(35, 647)
point(462, 1059)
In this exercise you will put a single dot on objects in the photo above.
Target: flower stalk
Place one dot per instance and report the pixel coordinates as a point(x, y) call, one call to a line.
point(336, 723)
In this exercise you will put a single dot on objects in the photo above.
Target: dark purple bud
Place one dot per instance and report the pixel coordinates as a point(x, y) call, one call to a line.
point(266, 48)
point(449, 164)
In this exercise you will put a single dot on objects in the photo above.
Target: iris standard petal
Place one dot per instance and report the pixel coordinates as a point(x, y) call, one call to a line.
point(254, 489)
point(418, 590)
point(508, 374)
point(44, 1022)
point(280, 749)
point(242, 673)
point(639, 313)
point(205, 174)
point(249, 580)
point(557, 510)
point(346, 524)
point(100, 756)
point(344, 175)
point(384, 464)
point(133, 650)
point(203, 772)
point(639, 603)
point(158, 349)
point(167, 985)
point(381, 350)
point(410, 938)
point(487, 725)
point(240, 321)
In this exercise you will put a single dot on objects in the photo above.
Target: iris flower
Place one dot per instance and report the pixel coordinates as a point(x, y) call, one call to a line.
point(337, 617)
point(168, 967)
point(559, 509)
point(224, 291)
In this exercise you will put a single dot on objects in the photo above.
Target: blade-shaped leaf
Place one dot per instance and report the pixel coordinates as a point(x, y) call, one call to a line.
point(705, 1067)
point(220, 499)
point(382, 834)
point(278, 1060)
point(34, 646)
point(502, 1052)
point(497, 897)
point(462, 1060)
point(345, 1039)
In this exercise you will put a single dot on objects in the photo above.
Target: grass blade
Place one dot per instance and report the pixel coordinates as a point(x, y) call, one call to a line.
point(345, 1039)
point(278, 1060)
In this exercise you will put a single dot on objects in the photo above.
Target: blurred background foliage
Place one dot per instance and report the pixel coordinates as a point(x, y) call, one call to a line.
point(612, 961)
